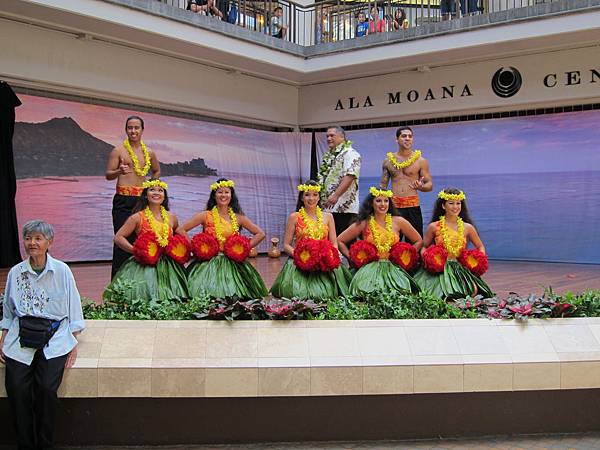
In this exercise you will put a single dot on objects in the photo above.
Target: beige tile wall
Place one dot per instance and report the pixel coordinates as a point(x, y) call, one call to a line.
point(302, 358)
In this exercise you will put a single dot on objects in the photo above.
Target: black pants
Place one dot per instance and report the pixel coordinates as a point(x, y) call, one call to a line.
point(31, 392)
point(414, 216)
point(342, 221)
point(122, 208)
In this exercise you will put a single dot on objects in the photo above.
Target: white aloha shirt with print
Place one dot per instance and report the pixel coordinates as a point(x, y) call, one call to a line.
point(343, 160)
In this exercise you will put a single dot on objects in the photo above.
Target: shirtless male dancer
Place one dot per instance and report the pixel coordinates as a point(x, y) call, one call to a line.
point(409, 172)
point(129, 163)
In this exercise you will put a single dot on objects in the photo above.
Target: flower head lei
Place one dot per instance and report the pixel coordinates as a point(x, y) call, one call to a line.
point(380, 192)
point(451, 197)
point(222, 183)
point(136, 165)
point(155, 183)
point(309, 188)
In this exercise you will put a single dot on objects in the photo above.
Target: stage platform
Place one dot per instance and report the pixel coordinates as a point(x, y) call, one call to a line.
point(503, 276)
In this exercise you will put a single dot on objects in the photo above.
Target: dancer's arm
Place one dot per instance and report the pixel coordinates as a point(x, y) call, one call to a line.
point(128, 228)
point(348, 235)
point(473, 236)
point(429, 236)
point(258, 233)
point(409, 231)
point(196, 220)
point(290, 231)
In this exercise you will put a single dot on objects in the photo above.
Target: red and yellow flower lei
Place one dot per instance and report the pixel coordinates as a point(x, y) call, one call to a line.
point(161, 230)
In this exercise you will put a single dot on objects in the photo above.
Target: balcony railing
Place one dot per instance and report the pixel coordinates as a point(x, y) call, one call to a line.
point(336, 20)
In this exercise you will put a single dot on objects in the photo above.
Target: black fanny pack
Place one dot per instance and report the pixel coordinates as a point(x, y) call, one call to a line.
point(36, 332)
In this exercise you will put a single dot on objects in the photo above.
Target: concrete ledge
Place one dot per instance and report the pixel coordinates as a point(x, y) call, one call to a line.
point(150, 359)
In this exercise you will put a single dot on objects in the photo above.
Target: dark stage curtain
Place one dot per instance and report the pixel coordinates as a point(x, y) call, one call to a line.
point(9, 230)
point(314, 164)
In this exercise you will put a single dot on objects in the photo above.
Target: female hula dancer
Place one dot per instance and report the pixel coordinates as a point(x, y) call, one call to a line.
point(220, 277)
point(379, 224)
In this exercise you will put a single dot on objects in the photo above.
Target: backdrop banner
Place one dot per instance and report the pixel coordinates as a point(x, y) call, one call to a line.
point(532, 183)
point(61, 149)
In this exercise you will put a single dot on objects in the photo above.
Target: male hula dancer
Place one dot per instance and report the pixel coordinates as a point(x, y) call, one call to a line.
point(338, 177)
point(129, 163)
point(409, 172)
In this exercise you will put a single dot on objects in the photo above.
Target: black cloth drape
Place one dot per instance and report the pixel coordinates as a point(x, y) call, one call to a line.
point(314, 164)
point(9, 229)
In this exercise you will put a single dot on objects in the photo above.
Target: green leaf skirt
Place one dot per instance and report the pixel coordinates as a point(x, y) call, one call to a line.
point(454, 282)
point(381, 276)
point(165, 281)
point(291, 282)
point(221, 277)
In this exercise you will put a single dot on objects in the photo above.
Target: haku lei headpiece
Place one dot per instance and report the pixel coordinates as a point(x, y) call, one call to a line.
point(222, 183)
point(152, 183)
point(309, 188)
point(448, 197)
point(380, 192)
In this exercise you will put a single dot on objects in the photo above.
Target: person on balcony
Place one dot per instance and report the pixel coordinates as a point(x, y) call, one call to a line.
point(362, 27)
point(278, 28)
point(376, 24)
point(400, 21)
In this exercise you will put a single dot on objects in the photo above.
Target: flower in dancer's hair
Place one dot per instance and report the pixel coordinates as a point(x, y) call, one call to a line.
point(434, 258)
point(474, 260)
point(178, 249)
point(307, 254)
point(146, 250)
point(404, 255)
point(362, 252)
point(237, 247)
point(204, 246)
point(330, 256)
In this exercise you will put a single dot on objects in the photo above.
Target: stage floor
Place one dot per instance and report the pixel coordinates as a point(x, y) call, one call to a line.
point(503, 276)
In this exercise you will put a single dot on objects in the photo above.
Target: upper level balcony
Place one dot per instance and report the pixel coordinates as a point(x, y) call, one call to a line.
point(161, 55)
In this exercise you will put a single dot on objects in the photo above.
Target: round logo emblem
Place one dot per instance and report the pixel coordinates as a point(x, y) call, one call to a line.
point(506, 82)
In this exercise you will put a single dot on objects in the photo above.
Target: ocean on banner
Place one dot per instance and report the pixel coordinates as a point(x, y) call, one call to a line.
point(80, 208)
point(549, 216)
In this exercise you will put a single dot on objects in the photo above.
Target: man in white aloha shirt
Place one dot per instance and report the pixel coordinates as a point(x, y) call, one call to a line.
point(338, 175)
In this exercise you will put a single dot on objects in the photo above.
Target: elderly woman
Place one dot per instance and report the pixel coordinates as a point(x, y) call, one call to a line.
point(41, 317)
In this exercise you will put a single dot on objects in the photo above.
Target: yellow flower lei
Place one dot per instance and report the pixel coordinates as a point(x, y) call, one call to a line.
point(383, 245)
point(161, 230)
point(456, 197)
point(151, 183)
point(309, 188)
point(407, 162)
point(136, 164)
point(453, 246)
point(380, 192)
point(219, 225)
point(220, 184)
point(314, 229)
